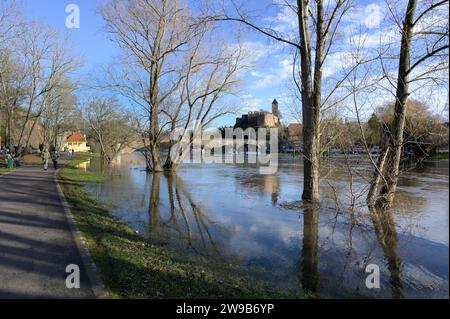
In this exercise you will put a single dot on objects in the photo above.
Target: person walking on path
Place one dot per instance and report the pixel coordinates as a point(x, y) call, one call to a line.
point(9, 161)
point(45, 155)
point(55, 159)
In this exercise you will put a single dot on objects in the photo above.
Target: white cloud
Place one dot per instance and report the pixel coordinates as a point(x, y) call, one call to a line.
point(369, 16)
point(336, 62)
point(373, 16)
point(253, 51)
point(250, 103)
point(274, 75)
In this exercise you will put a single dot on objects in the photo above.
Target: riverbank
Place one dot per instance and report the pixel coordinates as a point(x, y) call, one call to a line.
point(132, 266)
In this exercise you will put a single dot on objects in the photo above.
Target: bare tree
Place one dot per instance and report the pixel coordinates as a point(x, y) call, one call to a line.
point(317, 27)
point(212, 72)
point(46, 64)
point(10, 22)
point(12, 79)
point(12, 94)
point(172, 71)
point(59, 115)
point(423, 52)
point(109, 125)
point(152, 35)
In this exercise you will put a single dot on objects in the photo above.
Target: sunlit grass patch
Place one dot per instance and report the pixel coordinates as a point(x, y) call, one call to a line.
point(4, 170)
point(31, 159)
point(439, 157)
point(72, 173)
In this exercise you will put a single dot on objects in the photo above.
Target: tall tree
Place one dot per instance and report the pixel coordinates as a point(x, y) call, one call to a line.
point(151, 34)
point(59, 116)
point(424, 43)
point(172, 71)
point(109, 125)
point(12, 78)
point(317, 27)
point(47, 63)
point(212, 73)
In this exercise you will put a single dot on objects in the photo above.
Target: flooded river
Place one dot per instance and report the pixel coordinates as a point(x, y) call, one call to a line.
point(232, 213)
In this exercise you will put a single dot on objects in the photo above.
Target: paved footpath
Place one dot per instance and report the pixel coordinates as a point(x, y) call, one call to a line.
point(36, 241)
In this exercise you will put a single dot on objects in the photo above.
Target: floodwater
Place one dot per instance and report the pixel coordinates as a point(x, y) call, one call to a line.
point(231, 213)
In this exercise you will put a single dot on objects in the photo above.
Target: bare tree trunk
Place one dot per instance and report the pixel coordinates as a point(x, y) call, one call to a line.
point(169, 165)
point(30, 133)
point(309, 99)
point(10, 113)
point(376, 178)
point(395, 138)
point(154, 142)
point(24, 125)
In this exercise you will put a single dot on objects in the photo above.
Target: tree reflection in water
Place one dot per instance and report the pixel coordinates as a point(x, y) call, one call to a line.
point(250, 224)
point(185, 217)
point(154, 214)
point(310, 249)
point(386, 235)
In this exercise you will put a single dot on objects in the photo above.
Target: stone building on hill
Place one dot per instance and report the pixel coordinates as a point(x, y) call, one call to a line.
point(259, 119)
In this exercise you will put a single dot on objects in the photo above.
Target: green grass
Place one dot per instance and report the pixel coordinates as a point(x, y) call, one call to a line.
point(4, 170)
point(32, 159)
point(133, 266)
point(439, 157)
point(72, 173)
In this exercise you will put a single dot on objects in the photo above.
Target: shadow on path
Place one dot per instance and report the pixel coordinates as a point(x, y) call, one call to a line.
point(36, 243)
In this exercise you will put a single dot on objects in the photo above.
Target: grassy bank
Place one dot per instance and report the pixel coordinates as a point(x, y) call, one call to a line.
point(73, 173)
point(135, 267)
point(4, 170)
point(439, 157)
point(32, 159)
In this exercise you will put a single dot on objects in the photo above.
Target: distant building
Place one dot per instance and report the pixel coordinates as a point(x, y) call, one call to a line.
point(294, 132)
point(259, 119)
point(76, 142)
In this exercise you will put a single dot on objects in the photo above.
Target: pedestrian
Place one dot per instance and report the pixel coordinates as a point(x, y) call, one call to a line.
point(45, 156)
point(9, 161)
point(55, 159)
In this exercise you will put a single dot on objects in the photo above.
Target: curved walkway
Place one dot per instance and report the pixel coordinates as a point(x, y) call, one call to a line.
point(36, 240)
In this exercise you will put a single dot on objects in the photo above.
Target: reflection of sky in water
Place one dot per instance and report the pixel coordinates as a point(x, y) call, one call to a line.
point(234, 211)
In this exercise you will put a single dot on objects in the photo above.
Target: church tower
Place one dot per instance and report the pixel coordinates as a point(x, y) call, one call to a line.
point(275, 108)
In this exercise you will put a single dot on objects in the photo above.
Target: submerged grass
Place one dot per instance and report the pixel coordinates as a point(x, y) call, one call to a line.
point(133, 266)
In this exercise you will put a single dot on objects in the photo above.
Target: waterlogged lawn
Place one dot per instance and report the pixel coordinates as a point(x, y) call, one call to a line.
point(132, 266)
point(72, 173)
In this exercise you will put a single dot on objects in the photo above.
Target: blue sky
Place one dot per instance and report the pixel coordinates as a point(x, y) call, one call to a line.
point(96, 49)
point(271, 74)
point(88, 39)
